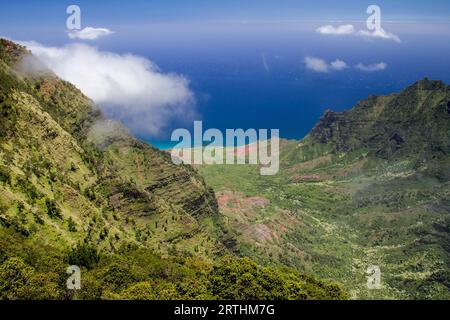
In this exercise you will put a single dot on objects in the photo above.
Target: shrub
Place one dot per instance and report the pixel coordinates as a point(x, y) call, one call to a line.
point(15, 276)
point(139, 291)
point(52, 209)
point(118, 277)
point(84, 255)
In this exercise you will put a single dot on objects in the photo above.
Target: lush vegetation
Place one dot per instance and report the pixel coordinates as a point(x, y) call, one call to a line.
point(77, 189)
point(29, 270)
point(369, 186)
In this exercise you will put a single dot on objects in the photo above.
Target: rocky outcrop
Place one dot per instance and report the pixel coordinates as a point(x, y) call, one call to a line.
point(394, 125)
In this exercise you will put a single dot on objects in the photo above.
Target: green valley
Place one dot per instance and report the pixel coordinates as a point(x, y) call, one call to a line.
point(369, 186)
point(77, 189)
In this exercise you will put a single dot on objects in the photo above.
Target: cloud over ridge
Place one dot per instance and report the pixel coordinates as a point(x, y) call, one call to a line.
point(127, 87)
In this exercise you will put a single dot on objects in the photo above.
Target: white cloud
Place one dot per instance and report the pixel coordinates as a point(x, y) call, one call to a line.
point(381, 33)
point(338, 65)
point(371, 67)
point(128, 88)
point(316, 64)
point(339, 30)
point(320, 65)
point(89, 33)
point(349, 29)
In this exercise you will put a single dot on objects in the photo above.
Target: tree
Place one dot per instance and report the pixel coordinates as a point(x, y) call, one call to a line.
point(15, 275)
point(72, 225)
point(140, 291)
point(84, 255)
point(118, 277)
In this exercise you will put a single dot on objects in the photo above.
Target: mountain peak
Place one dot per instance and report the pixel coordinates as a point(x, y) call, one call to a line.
point(427, 84)
point(414, 116)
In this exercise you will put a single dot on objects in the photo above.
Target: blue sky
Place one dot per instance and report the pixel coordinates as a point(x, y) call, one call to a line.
point(245, 59)
point(145, 11)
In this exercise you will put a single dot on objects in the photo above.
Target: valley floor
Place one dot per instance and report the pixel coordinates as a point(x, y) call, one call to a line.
point(334, 218)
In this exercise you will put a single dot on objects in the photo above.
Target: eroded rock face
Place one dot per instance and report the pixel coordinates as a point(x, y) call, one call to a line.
point(323, 132)
point(396, 140)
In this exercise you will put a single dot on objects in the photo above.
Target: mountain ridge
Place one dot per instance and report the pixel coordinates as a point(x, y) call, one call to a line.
point(77, 189)
point(78, 116)
point(367, 186)
point(379, 111)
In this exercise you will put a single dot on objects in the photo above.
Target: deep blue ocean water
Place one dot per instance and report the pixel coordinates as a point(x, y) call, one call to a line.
point(252, 75)
point(245, 59)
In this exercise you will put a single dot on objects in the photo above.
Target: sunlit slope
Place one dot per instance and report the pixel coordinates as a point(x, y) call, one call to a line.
point(64, 168)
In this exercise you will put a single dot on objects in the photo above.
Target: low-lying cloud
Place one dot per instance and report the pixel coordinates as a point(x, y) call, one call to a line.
point(338, 65)
point(381, 33)
point(127, 87)
point(89, 33)
point(349, 29)
point(316, 64)
point(339, 30)
point(371, 67)
point(320, 65)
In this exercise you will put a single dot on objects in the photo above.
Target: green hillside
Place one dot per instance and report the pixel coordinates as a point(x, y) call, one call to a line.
point(77, 189)
point(369, 186)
